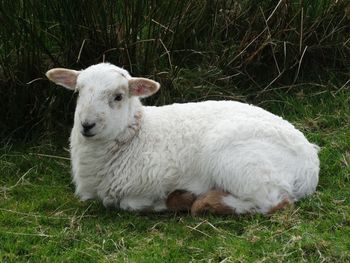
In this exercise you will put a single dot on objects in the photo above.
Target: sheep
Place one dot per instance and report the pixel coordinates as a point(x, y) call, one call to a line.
point(225, 157)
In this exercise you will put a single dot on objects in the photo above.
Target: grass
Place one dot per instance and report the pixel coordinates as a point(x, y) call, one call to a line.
point(41, 220)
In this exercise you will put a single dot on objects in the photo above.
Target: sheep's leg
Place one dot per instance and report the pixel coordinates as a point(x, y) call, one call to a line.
point(142, 204)
point(271, 198)
point(180, 200)
point(285, 202)
point(220, 203)
point(136, 204)
point(258, 180)
point(159, 206)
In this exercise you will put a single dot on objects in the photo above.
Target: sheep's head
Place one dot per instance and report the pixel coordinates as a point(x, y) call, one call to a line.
point(108, 98)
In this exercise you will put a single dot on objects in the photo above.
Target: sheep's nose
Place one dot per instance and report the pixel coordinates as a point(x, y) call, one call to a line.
point(88, 126)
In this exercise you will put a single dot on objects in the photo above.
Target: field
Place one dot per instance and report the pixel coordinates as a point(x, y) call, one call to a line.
point(289, 57)
point(41, 220)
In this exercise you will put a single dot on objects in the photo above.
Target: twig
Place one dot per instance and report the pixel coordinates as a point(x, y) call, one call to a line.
point(269, 40)
point(22, 177)
point(285, 54)
point(167, 52)
point(215, 228)
point(83, 214)
point(165, 27)
point(342, 87)
point(240, 53)
point(34, 80)
point(199, 224)
point(81, 49)
point(33, 215)
point(142, 41)
point(228, 77)
point(109, 50)
point(301, 59)
point(27, 234)
point(346, 42)
point(193, 228)
point(50, 156)
point(224, 260)
point(301, 29)
point(128, 55)
point(274, 10)
point(4, 189)
point(273, 81)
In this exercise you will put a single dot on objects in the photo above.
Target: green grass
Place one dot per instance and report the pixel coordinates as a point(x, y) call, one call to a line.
point(41, 220)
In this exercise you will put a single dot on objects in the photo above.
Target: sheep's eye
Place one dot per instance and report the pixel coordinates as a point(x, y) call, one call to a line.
point(118, 97)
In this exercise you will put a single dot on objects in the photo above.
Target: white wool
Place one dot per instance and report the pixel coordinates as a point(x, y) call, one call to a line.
point(141, 154)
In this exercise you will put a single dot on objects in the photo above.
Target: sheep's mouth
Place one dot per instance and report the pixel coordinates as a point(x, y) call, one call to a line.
point(87, 134)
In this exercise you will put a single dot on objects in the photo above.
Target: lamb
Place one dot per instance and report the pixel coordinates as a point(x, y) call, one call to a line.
point(224, 157)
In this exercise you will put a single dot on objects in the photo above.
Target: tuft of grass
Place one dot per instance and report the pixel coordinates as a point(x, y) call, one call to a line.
point(41, 220)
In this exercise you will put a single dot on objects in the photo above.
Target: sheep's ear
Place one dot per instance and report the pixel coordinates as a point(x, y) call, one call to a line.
point(64, 77)
point(143, 87)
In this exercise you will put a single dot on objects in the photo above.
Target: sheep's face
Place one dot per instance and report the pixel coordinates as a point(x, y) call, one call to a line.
point(108, 96)
point(103, 104)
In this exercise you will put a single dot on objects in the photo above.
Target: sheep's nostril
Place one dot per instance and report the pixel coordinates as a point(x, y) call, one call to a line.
point(88, 126)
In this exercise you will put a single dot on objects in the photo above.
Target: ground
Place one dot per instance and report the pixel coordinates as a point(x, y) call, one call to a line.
point(42, 220)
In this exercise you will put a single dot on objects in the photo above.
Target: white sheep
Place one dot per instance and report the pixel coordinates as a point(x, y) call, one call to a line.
point(232, 157)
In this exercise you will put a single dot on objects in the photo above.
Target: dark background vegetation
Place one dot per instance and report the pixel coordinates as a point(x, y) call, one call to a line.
point(209, 49)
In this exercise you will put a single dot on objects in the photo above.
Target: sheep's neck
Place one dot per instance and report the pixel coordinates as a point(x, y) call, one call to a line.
point(104, 151)
point(110, 148)
point(132, 130)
